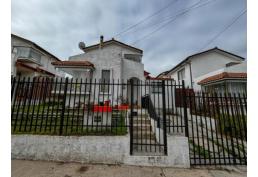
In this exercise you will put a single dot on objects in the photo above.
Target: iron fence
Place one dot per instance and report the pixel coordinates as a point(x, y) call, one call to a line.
point(217, 128)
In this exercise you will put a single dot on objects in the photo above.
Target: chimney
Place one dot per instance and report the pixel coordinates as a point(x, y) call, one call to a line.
point(101, 41)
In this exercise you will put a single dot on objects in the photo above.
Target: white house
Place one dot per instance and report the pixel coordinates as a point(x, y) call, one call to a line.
point(197, 67)
point(30, 60)
point(105, 62)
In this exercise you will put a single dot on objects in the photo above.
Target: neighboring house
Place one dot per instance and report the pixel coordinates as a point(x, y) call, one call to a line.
point(231, 79)
point(31, 60)
point(196, 67)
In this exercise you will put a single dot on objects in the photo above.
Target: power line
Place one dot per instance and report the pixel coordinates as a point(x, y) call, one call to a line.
point(148, 17)
point(194, 6)
point(223, 30)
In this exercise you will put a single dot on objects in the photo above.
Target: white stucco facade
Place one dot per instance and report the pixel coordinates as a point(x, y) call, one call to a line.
point(200, 65)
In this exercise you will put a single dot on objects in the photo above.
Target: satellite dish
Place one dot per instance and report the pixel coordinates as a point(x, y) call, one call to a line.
point(81, 45)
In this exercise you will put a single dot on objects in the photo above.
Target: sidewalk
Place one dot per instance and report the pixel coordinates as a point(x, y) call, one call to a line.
point(23, 168)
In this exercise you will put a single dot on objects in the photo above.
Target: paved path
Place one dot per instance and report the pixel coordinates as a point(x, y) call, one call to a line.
point(22, 168)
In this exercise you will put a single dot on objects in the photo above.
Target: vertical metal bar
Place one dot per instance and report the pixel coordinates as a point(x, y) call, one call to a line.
point(215, 117)
point(234, 133)
point(84, 103)
point(131, 119)
point(164, 117)
point(192, 135)
point(185, 109)
point(29, 105)
point(197, 128)
point(44, 103)
point(102, 112)
point(242, 115)
point(52, 111)
point(89, 107)
point(231, 133)
point(41, 96)
point(74, 102)
point(34, 101)
point(79, 107)
point(49, 101)
point(68, 119)
point(240, 129)
point(93, 113)
point(202, 127)
point(63, 108)
point(58, 103)
point(27, 84)
point(220, 128)
point(205, 119)
point(224, 122)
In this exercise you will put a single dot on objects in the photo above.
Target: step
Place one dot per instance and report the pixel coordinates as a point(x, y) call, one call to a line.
point(145, 121)
point(142, 128)
point(139, 135)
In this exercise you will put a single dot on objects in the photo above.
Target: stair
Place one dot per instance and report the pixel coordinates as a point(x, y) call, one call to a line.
point(144, 139)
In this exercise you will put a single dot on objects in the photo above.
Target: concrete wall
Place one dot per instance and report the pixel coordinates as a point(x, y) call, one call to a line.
point(96, 149)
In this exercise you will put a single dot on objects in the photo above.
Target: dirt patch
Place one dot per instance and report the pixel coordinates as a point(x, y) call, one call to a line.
point(83, 169)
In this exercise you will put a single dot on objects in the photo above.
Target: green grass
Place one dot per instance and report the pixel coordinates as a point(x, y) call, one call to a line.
point(200, 150)
point(49, 129)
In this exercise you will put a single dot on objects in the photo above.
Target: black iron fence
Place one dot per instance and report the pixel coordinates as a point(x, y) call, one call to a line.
point(149, 110)
point(217, 128)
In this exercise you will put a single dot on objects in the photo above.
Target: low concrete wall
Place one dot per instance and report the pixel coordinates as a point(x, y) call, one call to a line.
point(178, 155)
point(88, 149)
point(96, 149)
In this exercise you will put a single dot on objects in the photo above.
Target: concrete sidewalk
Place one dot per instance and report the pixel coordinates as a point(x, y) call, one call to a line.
point(24, 168)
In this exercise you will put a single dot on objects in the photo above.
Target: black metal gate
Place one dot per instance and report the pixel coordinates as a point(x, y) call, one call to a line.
point(217, 129)
point(147, 118)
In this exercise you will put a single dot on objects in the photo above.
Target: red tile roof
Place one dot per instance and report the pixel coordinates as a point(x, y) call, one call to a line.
point(37, 69)
point(73, 63)
point(221, 76)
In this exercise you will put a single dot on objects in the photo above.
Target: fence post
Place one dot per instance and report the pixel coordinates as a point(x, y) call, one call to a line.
point(131, 119)
point(63, 108)
point(164, 117)
point(185, 109)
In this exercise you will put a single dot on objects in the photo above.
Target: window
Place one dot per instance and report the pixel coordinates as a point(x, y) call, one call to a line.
point(29, 53)
point(156, 87)
point(181, 74)
point(105, 78)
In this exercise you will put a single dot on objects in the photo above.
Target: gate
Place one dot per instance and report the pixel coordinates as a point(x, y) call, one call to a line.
point(217, 129)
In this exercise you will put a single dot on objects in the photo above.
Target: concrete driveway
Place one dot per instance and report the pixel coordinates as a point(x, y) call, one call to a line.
point(23, 168)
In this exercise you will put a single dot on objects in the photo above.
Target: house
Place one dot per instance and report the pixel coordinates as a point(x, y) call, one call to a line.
point(199, 66)
point(230, 79)
point(31, 60)
point(105, 62)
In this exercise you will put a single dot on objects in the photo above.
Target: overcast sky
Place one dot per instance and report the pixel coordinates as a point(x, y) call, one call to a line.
point(59, 25)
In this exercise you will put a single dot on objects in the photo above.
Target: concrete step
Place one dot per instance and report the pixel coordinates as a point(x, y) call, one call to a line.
point(143, 135)
point(144, 121)
point(142, 128)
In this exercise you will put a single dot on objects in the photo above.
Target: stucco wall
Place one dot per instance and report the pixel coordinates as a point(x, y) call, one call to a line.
point(202, 65)
point(96, 149)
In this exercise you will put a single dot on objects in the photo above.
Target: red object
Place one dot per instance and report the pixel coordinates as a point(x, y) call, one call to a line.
point(97, 108)
point(107, 103)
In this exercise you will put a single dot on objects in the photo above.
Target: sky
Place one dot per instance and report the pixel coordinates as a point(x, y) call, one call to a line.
point(166, 30)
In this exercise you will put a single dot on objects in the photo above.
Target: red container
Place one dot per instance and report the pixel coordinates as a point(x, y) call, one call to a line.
point(97, 108)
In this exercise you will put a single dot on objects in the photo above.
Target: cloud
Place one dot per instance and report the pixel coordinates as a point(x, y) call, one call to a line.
point(60, 25)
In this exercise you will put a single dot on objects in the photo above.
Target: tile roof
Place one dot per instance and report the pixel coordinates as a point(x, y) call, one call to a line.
point(37, 69)
point(73, 63)
point(221, 76)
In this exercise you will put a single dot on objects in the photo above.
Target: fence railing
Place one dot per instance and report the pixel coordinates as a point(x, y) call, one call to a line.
point(217, 128)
